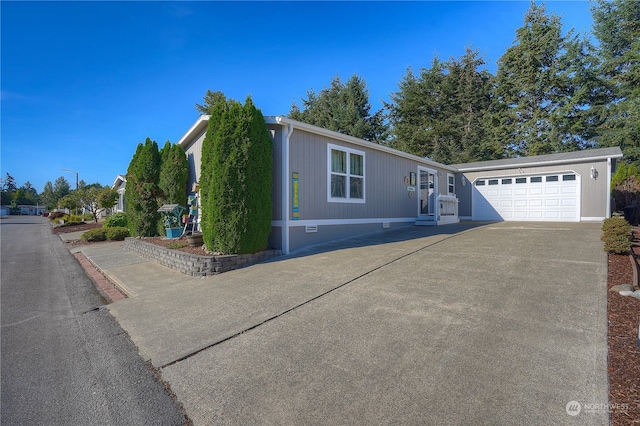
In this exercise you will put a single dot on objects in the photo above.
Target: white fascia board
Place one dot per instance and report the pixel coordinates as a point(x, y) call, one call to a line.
point(201, 123)
point(537, 163)
point(282, 120)
point(119, 178)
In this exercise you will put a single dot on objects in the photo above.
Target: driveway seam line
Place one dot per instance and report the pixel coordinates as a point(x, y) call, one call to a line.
point(209, 346)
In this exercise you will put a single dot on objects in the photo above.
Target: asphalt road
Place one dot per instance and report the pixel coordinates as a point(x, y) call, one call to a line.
point(64, 359)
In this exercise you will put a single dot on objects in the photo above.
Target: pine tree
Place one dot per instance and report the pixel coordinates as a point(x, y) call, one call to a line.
point(617, 28)
point(543, 88)
point(344, 108)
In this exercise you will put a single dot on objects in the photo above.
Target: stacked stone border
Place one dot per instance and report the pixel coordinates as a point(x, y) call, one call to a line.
point(193, 264)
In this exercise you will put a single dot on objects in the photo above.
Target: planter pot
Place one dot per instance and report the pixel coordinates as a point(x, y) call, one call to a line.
point(173, 232)
point(195, 239)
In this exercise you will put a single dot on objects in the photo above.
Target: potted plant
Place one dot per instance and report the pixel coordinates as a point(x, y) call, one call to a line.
point(194, 239)
point(171, 226)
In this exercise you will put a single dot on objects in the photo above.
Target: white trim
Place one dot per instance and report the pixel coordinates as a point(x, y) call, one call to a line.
point(347, 198)
point(196, 128)
point(608, 208)
point(591, 219)
point(451, 175)
point(326, 222)
point(535, 163)
point(286, 195)
point(428, 217)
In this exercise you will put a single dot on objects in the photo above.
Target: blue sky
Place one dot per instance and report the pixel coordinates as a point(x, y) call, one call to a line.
point(84, 82)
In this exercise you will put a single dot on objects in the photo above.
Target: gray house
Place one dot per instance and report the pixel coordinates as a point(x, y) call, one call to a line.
point(328, 185)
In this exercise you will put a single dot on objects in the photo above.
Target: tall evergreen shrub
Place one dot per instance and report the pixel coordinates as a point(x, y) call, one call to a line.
point(236, 178)
point(174, 173)
point(142, 190)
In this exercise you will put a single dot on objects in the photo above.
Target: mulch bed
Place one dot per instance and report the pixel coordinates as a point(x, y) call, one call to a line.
point(623, 319)
point(624, 354)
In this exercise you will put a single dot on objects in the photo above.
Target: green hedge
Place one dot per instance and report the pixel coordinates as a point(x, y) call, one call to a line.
point(117, 219)
point(96, 234)
point(616, 235)
point(117, 233)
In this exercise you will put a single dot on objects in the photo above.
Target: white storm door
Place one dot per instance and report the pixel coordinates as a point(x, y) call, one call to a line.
point(426, 193)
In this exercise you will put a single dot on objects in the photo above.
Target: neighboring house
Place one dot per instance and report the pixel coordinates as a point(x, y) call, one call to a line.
point(31, 210)
point(119, 185)
point(327, 185)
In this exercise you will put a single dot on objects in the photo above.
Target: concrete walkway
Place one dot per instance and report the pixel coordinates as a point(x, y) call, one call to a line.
point(460, 324)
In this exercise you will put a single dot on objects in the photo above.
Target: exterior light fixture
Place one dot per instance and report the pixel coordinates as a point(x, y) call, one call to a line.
point(594, 173)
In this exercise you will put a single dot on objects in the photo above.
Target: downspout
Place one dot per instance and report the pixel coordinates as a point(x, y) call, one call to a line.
point(608, 212)
point(286, 189)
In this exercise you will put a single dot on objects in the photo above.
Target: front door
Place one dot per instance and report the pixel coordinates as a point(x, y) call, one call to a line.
point(427, 195)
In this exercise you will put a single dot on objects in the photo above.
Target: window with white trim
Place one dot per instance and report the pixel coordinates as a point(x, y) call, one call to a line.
point(451, 184)
point(345, 175)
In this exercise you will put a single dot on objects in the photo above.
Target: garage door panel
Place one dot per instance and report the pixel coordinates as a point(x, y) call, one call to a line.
point(534, 198)
point(551, 190)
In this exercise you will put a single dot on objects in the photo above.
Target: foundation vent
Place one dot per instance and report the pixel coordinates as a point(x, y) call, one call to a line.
point(386, 225)
point(311, 229)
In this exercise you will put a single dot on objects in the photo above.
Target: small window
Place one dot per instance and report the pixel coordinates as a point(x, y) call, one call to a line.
point(536, 179)
point(521, 180)
point(568, 177)
point(479, 183)
point(551, 178)
point(493, 181)
point(451, 184)
point(506, 181)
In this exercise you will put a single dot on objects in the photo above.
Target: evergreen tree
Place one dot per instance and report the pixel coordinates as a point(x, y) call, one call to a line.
point(441, 113)
point(48, 197)
point(236, 176)
point(61, 187)
point(174, 173)
point(142, 191)
point(543, 84)
point(617, 28)
point(344, 108)
point(8, 189)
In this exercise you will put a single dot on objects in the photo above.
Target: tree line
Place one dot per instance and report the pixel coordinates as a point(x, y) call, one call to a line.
point(59, 195)
point(552, 92)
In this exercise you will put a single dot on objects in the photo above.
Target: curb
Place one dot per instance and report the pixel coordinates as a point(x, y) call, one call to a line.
point(106, 288)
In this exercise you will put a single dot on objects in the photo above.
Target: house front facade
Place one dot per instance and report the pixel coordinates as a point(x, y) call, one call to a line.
point(327, 185)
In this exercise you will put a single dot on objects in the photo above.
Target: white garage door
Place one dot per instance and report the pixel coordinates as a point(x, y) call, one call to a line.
point(552, 197)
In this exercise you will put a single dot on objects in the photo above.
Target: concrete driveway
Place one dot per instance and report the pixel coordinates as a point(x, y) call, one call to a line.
point(503, 323)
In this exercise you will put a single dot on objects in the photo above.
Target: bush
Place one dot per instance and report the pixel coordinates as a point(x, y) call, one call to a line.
point(56, 215)
point(87, 216)
point(617, 235)
point(119, 219)
point(96, 234)
point(76, 219)
point(116, 233)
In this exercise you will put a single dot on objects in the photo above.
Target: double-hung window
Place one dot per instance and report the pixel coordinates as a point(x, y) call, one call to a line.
point(345, 175)
point(451, 184)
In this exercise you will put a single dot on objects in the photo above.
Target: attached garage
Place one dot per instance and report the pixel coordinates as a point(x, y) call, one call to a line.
point(567, 187)
point(552, 197)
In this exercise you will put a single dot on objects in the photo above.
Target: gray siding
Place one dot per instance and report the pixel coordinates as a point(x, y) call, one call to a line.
point(386, 194)
point(194, 157)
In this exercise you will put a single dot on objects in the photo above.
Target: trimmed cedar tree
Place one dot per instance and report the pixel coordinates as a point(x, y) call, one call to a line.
point(236, 179)
point(174, 173)
point(141, 194)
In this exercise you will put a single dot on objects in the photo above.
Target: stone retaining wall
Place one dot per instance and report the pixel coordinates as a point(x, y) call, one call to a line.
point(193, 264)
